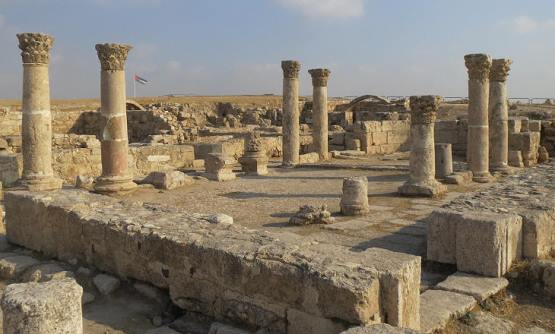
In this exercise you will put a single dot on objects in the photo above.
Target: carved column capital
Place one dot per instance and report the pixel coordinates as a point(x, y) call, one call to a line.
point(290, 68)
point(478, 66)
point(112, 56)
point(320, 77)
point(500, 69)
point(424, 108)
point(35, 47)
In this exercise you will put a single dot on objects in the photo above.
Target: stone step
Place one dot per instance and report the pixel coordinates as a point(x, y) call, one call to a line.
point(437, 307)
point(479, 287)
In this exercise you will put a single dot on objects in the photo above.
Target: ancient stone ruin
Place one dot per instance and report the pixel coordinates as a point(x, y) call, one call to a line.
point(365, 215)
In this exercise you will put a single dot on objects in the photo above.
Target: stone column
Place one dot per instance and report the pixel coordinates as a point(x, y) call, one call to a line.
point(444, 160)
point(422, 180)
point(291, 127)
point(478, 98)
point(499, 115)
point(115, 177)
point(354, 200)
point(36, 126)
point(320, 110)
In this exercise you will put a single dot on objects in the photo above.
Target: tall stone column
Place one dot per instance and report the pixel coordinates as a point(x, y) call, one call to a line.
point(115, 176)
point(499, 115)
point(478, 66)
point(36, 124)
point(422, 180)
point(320, 110)
point(291, 126)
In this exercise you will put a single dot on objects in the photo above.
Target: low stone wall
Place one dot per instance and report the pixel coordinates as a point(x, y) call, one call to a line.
point(235, 147)
point(282, 282)
point(383, 137)
point(69, 162)
point(452, 132)
point(151, 158)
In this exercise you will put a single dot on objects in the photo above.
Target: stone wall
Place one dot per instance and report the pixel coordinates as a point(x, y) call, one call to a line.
point(452, 132)
point(284, 283)
point(383, 137)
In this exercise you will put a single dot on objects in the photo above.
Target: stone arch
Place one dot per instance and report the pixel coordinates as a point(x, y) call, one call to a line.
point(133, 105)
point(362, 98)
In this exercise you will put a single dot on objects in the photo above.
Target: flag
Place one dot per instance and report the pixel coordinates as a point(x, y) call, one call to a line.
point(140, 80)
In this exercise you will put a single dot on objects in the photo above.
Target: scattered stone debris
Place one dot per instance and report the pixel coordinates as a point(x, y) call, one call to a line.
point(308, 214)
point(168, 180)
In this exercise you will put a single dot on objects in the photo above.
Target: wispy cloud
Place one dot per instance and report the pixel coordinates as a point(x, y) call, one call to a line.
point(326, 8)
point(525, 24)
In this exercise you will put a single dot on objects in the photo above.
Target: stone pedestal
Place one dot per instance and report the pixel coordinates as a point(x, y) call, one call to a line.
point(36, 124)
point(255, 161)
point(422, 180)
point(291, 126)
point(499, 116)
point(115, 176)
point(355, 196)
point(53, 307)
point(320, 111)
point(444, 160)
point(478, 66)
point(219, 168)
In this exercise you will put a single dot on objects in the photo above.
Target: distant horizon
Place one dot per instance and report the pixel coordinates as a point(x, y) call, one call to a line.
point(217, 47)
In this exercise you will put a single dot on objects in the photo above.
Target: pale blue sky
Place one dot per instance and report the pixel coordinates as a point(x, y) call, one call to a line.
point(385, 47)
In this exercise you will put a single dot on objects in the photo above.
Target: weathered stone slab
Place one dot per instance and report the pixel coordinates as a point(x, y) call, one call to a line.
point(13, 266)
point(221, 270)
point(438, 307)
point(379, 329)
point(478, 287)
point(487, 323)
point(480, 242)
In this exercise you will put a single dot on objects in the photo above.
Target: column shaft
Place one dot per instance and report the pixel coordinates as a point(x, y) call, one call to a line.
point(422, 180)
point(36, 124)
point(291, 114)
point(499, 115)
point(478, 133)
point(320, 111)
point(115, 176)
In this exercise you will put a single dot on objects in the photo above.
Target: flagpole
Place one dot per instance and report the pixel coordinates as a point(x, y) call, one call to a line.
point(134, 88)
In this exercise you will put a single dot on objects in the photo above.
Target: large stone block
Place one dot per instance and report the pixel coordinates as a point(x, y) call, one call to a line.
point(53, 307)
point(480, 242)
point(225, 271)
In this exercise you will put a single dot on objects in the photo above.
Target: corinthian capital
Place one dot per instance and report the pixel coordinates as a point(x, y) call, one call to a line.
point(290, 68)
point(112, 56)
point(35, 47)
point(320, 77)
point(478, 66)
point(500, 69)
point(423, 109)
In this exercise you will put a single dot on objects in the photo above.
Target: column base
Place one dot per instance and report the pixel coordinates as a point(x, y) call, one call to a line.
point(288, 165)
point(354, 210)
point(254, 165)
point(429, 189)
point(484, 177)
point(41, 184)
point(502, 170)
point(114, 185)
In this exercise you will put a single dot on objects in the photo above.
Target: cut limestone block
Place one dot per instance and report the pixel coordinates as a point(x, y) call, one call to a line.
point(219, 168)
point(479, 287)
point(53, 307)
point(13, 266)
point(106, 284)
point(515, 159)
point(379, 329)
point(479, 242)
point(168, 179)
point(438, 307)
point(224, 271)
point(487, 243)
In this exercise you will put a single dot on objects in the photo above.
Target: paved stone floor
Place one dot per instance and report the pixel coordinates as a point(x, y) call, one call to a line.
point(267, 203)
